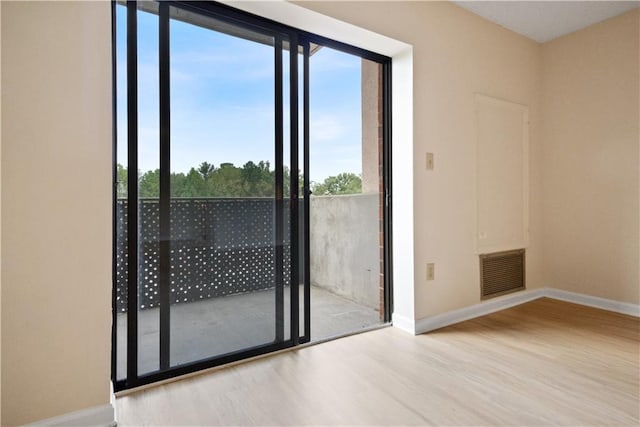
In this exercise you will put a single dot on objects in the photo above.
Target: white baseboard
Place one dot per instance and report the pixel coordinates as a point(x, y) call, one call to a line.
point(103, 416)
point(403, 323)
point(431, 323)
point(112, 400)
point(597, 302)
point(500, 303)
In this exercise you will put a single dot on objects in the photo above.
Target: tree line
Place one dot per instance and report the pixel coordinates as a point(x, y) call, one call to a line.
point(228, 180)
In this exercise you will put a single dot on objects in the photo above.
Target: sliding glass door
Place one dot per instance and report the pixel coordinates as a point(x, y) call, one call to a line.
point(224, 198)
point(212, 201)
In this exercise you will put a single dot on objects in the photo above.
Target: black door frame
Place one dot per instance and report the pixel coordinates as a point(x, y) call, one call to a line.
point(299, 42)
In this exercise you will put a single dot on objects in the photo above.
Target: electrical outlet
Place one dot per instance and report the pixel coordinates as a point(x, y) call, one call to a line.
point(430, 271)
point(429, 161)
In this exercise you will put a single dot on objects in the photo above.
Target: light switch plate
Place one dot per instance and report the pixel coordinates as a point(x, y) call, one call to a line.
point(430, 271)
point(429, 161)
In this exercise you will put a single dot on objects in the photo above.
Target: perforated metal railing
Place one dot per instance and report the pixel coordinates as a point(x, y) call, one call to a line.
point(218, 247)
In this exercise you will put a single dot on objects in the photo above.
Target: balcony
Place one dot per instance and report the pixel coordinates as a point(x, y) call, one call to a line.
point(223, 270)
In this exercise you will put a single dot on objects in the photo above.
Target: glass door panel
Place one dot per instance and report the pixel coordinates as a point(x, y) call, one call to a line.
point(148, 184)
point(225, 123)
point(226, 266)
point(120, 252)
point(346, 207)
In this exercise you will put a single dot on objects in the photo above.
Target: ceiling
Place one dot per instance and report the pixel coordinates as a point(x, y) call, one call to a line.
point(545, 20)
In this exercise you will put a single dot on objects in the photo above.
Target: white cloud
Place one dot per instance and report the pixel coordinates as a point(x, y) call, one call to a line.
point(326, 127)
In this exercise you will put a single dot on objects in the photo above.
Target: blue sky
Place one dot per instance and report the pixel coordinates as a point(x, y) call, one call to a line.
point(222, 99)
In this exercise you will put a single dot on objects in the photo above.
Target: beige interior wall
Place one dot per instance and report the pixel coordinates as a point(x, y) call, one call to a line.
point(1, 216)
point(56, 226)
point(456, 54)
point(590, 160)
point(56, 204)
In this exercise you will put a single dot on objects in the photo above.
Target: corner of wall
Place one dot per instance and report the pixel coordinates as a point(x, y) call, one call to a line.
point(55, 244)
point(591, 160)
point(402, 184)
point(638, 25)
point(0, 214)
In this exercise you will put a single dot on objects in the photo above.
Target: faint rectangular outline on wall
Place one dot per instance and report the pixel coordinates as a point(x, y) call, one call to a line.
point(480, 99)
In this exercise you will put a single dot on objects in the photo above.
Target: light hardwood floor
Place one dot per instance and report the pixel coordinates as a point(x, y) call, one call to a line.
point(542, 363)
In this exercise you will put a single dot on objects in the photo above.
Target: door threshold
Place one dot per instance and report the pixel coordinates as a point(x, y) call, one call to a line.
point(344, 335)
point(149, 386)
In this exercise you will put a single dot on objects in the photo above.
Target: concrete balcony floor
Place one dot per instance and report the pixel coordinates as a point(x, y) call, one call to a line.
point(222, 325)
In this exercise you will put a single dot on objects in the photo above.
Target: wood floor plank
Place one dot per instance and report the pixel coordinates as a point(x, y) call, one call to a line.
point(545, 362)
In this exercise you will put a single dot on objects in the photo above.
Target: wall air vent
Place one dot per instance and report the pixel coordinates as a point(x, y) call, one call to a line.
point(501, 273)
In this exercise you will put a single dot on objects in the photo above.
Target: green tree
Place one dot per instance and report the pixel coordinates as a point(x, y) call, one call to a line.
point(257, 179)
point(149, 184)
point(178, 184)
point(286, 174)
point(344, 183)
point(251, 180)
point(206, 169)
point(121, 181)
point(194, 184)
point(226, 181)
